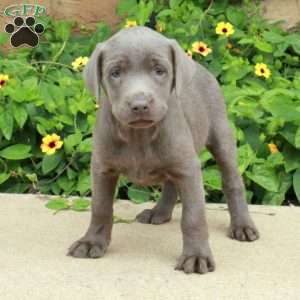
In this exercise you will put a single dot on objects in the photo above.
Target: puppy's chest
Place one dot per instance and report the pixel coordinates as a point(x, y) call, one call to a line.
point(141, 164)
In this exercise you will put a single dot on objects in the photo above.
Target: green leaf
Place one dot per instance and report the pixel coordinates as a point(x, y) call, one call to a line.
point(164, 13)
point(297, 138)
point(144, 11)
point(291, 158)
point(275, 159)
point(71, 141)
point(55, 188)
point(218, 7)
point(6, 124)
point(62, 29)
point(215, 67)
point(205, 156)
point(20, 114)
point(41, 130)
point(58, 204)
point(80, 204)
point(245, 157)
point(285, 182)
point(296, 183)
point(236, 72)
point(212, 178)
point(235, 16)
point(277, 198)
point(289, 132)
point(84, 182)
point(65, 184)
point(32, 177)
point(4, 177)
point(252, 134)
point(273, 37)
point(126, 7)
point(280, 49)
point(71, 173)
point(264, 46)
point(174, 3)
point(102, 33)
point(138, 195)
point(296, 48)
point(281, 106)
point(273, 198)
point(14, 152)
point(246, 41)
point(248, 109)
point(85, 145)
point(264, 176)
point(50, 162)
point(294, 40)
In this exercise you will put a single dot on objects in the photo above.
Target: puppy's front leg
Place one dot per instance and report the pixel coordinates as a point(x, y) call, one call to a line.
point(196, 256)
point(97, 238)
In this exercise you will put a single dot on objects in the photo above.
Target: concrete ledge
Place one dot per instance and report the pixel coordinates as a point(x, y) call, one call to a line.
point(140, 260)
point(278, 10)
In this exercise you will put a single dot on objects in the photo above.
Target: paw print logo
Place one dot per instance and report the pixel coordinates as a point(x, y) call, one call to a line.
point(24, 31)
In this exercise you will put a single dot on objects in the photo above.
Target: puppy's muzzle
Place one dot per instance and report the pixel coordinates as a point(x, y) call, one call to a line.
point(141, 107)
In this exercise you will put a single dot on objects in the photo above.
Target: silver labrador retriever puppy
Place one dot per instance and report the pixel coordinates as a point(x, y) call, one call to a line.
point(159, 109)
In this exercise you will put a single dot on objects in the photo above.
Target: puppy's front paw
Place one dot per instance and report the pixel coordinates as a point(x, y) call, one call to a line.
point(85, 248)
point(196, 264)
point(244, 231)
point(153, 216)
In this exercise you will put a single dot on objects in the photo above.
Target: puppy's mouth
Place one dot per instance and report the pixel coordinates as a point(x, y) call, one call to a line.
point(141, 123)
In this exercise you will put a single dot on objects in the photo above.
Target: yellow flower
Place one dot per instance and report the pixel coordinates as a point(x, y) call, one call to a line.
point(224, 29)
point(97, 106)
point(189, 53)
point(201, 48)
point(160, 26)
point(262, 70)
point(51, 143)
point(229, 46)
point(130, 23)
point(273, 148)
point(3, 80)
point(79, 62)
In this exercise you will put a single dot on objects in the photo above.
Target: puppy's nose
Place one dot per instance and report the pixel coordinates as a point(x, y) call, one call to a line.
point(140, 106)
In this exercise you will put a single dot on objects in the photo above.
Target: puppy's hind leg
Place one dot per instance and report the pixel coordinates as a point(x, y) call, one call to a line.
point(162, 211)
point(222, 146)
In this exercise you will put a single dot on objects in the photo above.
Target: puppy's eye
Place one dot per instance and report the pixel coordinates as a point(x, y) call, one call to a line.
point(159, 71)
point(115, 73)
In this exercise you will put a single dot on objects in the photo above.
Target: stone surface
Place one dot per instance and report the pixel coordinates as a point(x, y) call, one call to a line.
point(140, 260)
point(287, 11)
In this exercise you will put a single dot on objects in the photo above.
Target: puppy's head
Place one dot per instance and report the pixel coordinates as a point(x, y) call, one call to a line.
point(138, 69)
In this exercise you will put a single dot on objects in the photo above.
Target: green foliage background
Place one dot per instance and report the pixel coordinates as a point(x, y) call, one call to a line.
point(44, 96)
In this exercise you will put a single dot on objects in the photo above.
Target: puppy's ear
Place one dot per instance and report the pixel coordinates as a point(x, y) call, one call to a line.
point(184, 67)
point(92, 72)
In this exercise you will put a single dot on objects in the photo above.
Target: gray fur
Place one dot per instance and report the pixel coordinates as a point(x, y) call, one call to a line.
point(143, 75)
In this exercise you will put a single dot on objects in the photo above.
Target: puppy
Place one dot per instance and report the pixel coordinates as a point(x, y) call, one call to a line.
point(159, 108)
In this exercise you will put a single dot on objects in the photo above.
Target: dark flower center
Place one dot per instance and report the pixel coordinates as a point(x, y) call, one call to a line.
point(51, 145)
point(201, 49)
point(224, 30)
point(2, 82)
point(262, 70)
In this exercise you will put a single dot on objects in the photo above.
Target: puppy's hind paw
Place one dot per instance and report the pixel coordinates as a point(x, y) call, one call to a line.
point(244, 232)
point(152, 216)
